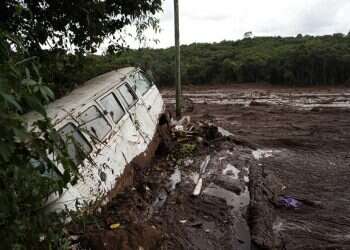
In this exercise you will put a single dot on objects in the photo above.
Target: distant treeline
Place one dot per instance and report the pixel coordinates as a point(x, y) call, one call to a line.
point(303, 60)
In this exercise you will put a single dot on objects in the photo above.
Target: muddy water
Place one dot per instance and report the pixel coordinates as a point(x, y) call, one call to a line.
point(289, 97)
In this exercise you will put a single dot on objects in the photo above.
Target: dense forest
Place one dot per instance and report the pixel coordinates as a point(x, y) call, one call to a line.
point(304, 60)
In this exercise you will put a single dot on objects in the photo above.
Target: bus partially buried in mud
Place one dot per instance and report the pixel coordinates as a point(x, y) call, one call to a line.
point(112, 119)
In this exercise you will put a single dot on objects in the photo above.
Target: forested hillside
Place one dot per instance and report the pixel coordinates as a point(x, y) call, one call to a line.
point(294, 60)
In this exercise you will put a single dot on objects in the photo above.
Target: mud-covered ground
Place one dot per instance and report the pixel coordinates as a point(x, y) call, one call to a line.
point(160, 209)
point(250, 146)
point(306, 132)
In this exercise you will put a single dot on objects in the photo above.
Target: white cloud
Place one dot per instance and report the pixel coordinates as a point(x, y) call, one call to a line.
point(214, 21)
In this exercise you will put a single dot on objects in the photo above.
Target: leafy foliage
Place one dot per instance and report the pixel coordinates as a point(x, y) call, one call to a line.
point(82, 24)
point(34, 163)
point(27, 174)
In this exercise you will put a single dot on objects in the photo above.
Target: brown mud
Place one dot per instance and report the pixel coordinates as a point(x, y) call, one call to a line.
point(308, 131)
point(157, 209)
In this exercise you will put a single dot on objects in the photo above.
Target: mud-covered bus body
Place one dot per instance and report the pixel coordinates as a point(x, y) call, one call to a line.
point(113, 118)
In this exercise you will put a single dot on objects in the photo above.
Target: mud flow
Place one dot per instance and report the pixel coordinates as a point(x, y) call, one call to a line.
point(248, 167)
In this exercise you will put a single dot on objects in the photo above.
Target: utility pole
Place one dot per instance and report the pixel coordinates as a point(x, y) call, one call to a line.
point(177, 60)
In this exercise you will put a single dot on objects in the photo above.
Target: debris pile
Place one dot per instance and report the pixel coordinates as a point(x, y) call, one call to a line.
point(195, 196)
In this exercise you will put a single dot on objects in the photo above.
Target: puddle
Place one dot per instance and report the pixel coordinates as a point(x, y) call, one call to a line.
point(264, 153)
point(231, 170)
point(175, 178)
point(243, 234)
point(237, 202)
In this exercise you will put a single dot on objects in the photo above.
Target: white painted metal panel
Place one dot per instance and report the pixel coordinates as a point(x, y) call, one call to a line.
point(139, 114)
point(154, 102)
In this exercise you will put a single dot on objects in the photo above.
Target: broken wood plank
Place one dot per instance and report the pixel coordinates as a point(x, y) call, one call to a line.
point(197, 190)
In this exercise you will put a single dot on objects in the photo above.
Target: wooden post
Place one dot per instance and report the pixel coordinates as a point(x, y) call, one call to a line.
point(177, 60)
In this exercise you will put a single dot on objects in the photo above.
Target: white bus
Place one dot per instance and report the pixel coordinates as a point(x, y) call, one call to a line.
point(113, 118)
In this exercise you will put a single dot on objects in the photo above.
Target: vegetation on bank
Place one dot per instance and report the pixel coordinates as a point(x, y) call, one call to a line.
point(302, 60)
point(35, 163)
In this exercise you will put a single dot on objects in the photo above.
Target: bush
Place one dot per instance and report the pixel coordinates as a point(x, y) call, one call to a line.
point(26, 171)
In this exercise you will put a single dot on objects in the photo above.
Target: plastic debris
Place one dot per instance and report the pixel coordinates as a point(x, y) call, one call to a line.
point(289, 202)
point(179, 128)
point(224, 132)
point(175, 178)
point(188, 162)
point(204, 164)
point(198, 188)
point(264, 153)
point(114, 226)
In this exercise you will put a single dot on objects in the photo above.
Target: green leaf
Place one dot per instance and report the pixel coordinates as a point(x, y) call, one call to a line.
point(21, 134)
point(10, 99)
point(46, 92)
point(27, 73)
point(29, 82)
point(25, 60)
point(35, 104)
point(6, 150)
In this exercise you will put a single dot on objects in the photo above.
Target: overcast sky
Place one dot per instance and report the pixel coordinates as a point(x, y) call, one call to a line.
point(217, 20)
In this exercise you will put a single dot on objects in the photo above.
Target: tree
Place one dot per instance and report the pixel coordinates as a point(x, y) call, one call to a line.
point(27, 174)
point(248, 34)
point(79, 24)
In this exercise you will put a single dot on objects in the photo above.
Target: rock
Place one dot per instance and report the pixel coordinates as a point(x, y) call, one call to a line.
point(229, 183)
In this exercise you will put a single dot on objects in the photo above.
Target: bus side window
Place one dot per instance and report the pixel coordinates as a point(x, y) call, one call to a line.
point(95, 124)
point(127, 94)
point(78, 147)
point(112, 106)
point(140, 83)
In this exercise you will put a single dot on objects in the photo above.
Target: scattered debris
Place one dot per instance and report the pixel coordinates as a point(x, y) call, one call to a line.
point(289, 202)
point(264, 153)
point(237, 202)
point(204, 165)
point(231, 170)
point(179, 128)
point(175, 178)
point(229, 183)
point(198, 188)
point(149, 208)
point(114, 226)
point(188, 162)
point(224, 132)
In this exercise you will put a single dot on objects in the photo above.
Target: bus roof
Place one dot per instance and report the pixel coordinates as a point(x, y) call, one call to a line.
point(79, 97)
